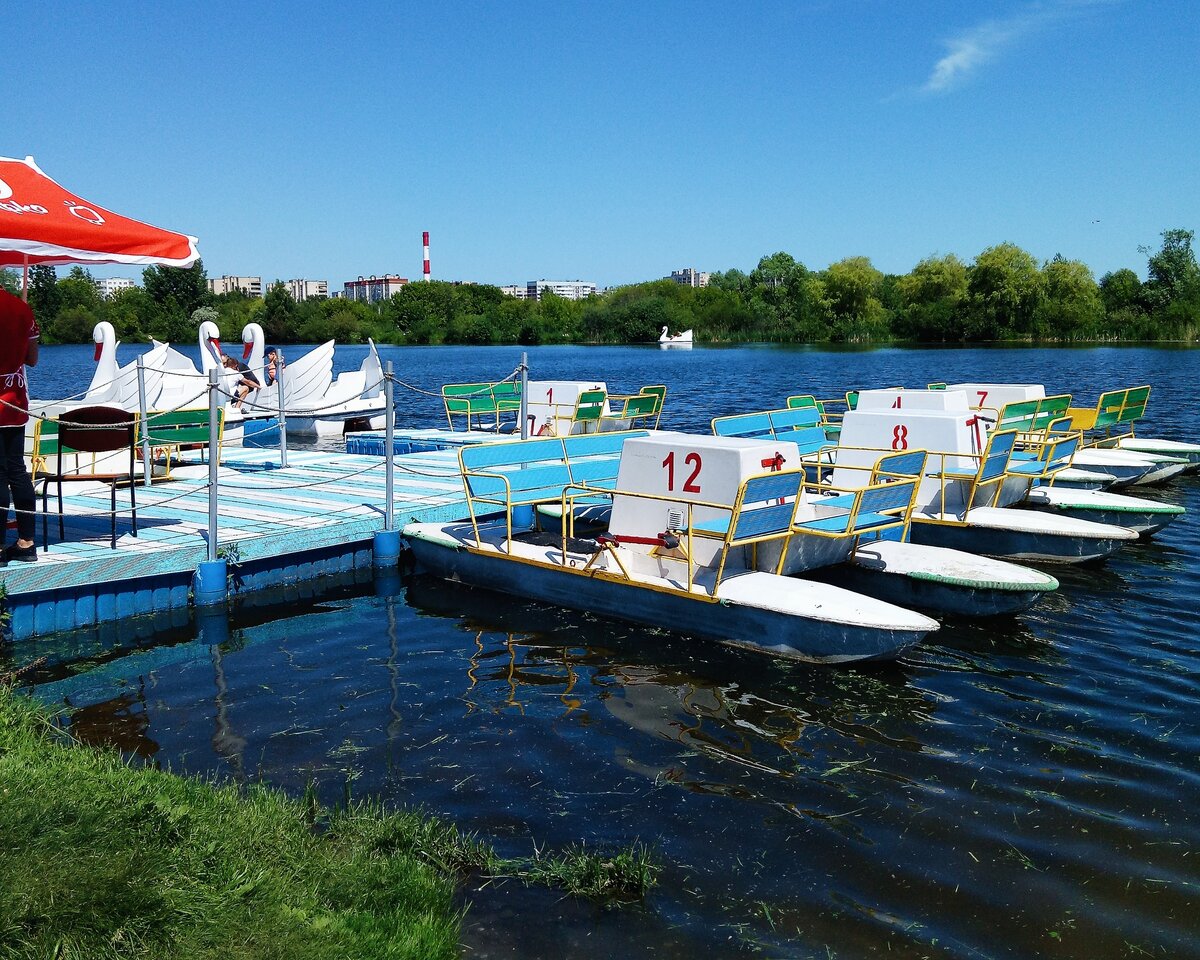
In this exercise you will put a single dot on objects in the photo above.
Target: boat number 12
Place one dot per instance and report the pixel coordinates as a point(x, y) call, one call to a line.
point(900, 437)
point(689, 485)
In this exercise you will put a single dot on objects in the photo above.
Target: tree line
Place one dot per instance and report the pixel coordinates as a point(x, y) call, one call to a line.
point(1004, 294)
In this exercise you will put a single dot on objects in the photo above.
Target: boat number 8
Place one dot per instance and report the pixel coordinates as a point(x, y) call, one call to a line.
point(900, 437)
point(689, 485)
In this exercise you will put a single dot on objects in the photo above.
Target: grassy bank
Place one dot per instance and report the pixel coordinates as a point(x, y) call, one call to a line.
point(99, 859)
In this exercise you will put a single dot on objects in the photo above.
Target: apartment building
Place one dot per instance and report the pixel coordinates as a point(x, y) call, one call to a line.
point(689, 277)
point(250, 286)
point(567, 289)
point(108, 286)
point(307, 289)
point(373, 289)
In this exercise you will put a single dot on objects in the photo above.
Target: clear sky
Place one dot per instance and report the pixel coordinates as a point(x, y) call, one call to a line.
point(616, 141)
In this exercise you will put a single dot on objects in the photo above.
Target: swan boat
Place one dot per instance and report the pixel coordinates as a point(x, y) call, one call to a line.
point(695, 539)
point(317, 403)
point(681, 341)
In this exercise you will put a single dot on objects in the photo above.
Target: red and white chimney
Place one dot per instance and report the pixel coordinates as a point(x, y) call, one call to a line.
point(425, 243)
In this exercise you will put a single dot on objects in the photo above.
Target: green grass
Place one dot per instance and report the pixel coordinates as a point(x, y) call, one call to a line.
point(100, 859)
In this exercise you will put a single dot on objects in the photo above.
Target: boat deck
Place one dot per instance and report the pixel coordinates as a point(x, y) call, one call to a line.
point(316, 516)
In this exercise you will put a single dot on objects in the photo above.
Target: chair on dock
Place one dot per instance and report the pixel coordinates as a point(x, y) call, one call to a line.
point(84, 434)
point(170, 432)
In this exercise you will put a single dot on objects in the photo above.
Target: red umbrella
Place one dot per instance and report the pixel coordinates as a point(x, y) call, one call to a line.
point(41, 222)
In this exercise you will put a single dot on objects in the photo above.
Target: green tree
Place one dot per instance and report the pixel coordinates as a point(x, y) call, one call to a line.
point(44, 298)
point(10, 280)
point(1173, 271)
point(852, 287)
point(1071, 307)
point(1122, 290)
point(1004, 287)
point(186, 288)
point(931, 299)
point(279, 313)
point(78, 289)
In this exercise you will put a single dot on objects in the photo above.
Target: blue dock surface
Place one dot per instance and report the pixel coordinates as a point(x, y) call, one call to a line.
point(276, 525)
point(374, 442)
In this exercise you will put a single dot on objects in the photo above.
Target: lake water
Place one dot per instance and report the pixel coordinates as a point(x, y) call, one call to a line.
point(1023, 787)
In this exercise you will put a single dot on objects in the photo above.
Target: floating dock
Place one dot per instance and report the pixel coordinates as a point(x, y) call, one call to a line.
point(317, 516)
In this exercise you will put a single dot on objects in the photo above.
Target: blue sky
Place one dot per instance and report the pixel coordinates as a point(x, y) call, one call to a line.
point(616, 141)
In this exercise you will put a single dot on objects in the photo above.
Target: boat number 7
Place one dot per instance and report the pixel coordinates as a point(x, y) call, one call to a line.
point(689, 485)
point(982, 396)
point(900, 437)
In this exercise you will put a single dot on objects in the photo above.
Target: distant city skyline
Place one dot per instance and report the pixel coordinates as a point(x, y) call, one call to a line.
point(658, 134)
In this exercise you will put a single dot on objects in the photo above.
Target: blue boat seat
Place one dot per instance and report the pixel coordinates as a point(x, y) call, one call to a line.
point(839, 524)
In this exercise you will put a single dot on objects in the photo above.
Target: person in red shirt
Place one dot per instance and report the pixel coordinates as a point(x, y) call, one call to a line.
point(18, 348)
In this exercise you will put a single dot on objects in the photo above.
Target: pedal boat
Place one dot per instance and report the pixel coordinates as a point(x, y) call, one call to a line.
point(959, 503)
point(887, 564)
point(670, 559)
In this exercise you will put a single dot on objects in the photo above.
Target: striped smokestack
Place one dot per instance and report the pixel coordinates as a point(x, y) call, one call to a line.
point(425, 243)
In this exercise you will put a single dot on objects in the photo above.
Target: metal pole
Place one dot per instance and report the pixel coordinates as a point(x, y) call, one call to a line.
point(214, 455)
point(147, 466)
point(389, 452)
point(524, 396)
point(282, 408)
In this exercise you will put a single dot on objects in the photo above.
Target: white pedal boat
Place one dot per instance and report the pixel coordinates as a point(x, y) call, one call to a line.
point(687, 542)
point(951, 581)
point(779, 616)
point(1145, 517)
point(1022, 535)
point(1163, 448)
point(1129, 468)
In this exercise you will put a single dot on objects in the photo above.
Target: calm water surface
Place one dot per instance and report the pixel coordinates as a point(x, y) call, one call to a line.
point(1017, 788)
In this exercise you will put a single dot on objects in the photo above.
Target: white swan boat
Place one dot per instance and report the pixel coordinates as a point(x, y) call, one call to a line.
point(681, 341)
point(317, 403)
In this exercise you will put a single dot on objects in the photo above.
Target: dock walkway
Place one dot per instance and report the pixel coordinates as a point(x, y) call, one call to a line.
point(316, 516)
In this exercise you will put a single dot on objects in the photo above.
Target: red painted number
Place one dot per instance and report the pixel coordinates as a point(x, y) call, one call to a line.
point(900, 437)
point(689, 485)
point(982, 396)
point(550, 396)
point(896, 405)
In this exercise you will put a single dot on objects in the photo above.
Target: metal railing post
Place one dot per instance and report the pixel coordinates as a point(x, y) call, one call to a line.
point(279, 375)
point(389, 419)
point(147, 467)
point(214, 455)
point(524, 396)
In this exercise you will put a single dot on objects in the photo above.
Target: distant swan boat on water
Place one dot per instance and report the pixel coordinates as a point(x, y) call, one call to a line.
point(681, 341)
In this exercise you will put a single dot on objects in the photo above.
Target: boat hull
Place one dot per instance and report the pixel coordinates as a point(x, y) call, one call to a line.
point(1146, 517)
point(1016, 535)
point(1165, 448)
point(942, 580)
point(767, 631)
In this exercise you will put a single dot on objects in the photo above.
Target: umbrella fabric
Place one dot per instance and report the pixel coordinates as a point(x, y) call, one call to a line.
point(42, 222)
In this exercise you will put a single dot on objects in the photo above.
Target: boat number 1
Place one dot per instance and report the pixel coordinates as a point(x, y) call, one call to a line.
point(900, 437)
point(896, 405)
point(689, 485)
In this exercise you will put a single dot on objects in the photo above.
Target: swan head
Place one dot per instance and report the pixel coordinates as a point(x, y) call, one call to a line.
point(252, 333)
point(210, 339)
point(103, 335)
